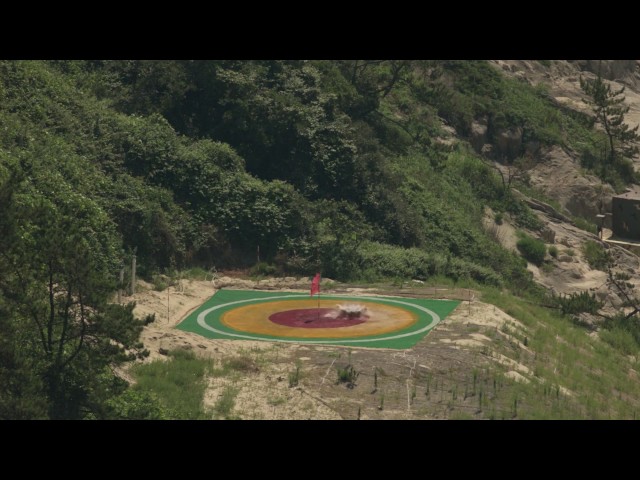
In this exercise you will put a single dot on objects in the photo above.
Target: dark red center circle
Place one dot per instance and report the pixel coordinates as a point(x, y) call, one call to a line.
point(316, 318)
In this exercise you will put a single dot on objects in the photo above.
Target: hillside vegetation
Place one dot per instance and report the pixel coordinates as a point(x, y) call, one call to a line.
point(351, 168)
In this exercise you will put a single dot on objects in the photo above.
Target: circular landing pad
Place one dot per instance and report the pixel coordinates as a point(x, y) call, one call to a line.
point(386, 322)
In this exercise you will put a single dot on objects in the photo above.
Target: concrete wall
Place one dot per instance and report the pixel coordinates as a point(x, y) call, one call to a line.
point(626, 217)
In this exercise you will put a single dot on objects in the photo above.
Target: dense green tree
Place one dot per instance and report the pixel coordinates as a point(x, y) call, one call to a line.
point(58, 270)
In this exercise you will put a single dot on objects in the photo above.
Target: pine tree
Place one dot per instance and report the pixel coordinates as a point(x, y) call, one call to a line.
point(608, 106)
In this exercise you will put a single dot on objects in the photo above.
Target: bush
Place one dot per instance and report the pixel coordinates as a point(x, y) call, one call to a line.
point(380, 260)
point(532, 249)
point(595, 255)
point(499, 218)
point(553, 251)
point(578, 303)
point(137, 405)
point(585, 225)
point(347, 375)
point(263, 269)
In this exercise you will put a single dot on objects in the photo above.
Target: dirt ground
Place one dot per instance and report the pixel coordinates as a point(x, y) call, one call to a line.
point(420, 382)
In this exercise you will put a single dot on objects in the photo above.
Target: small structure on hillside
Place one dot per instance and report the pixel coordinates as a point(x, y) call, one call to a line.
point(625, 209)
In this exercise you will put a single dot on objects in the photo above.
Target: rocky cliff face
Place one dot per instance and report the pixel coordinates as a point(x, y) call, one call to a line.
point(558, 174)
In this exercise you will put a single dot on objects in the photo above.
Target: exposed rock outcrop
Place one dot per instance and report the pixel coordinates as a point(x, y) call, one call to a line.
point(508, 143)
point(559, 176)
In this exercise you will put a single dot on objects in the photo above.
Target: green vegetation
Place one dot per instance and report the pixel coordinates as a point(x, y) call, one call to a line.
point(347, 375)
point(179, 384)
point(532, 249)
point(578, 303)
point(553, 251)
point(224, 406)
point(595, 254)
point(609, 109)
point(294, 377)
point(135, 404)
point(585, 225)
point(595, 373)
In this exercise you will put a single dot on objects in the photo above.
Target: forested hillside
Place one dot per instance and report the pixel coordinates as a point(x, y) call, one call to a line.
point(290, 167)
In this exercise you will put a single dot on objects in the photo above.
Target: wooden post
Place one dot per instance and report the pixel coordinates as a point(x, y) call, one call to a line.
point(133, 274)
point(120, 284)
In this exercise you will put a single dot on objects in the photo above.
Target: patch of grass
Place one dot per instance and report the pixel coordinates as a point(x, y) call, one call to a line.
point(499, 218)
point(223, 407)
point(538, 195)
point(328, 284)
point(570, 252)
point(179, 384)
point(621, 340)
point(294, 377)
point(196, 273)
point(263, 269)
point(240, 364)
point(459, 415)
point(594, 372)
point(553, 251)
point(347, 375)
point(585, 225)
point(595, 255)
point(532, 249)
point(547, 267)
point(275, 401)
point(622, 333)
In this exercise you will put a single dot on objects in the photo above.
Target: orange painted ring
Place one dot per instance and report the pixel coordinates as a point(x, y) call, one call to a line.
point(254, 318)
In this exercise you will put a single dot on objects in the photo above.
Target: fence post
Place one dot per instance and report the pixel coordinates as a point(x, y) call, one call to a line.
point(121, 283)
point(133, 274)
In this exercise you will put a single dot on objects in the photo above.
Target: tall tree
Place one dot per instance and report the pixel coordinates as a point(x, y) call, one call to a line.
point(608, 106)
point(57, 273)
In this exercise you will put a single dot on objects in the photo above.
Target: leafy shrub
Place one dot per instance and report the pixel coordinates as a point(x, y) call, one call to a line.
point(137, 405)
point(499, 217)
point(380, 260)
point(263, 269)
point(547, 267)
point(553, 251)
point(347, 375)
point(532, 249)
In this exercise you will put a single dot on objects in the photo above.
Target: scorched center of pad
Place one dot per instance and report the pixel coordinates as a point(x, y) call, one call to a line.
point(316, 318)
